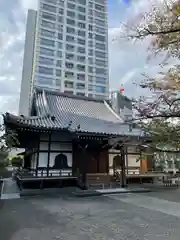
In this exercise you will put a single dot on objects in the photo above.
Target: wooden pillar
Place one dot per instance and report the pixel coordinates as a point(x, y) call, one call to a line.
point(123, 175)
point(49, 151)
point(37, 157)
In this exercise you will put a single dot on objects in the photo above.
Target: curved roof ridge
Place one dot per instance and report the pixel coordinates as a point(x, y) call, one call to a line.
point(112, 111)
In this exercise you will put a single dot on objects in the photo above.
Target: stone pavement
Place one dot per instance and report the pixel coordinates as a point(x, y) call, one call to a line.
point(116, 217)
point(9, 189)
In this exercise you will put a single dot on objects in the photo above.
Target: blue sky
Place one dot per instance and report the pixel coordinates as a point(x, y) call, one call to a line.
point(126, 60)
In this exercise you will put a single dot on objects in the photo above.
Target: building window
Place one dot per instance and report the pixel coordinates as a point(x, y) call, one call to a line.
point(81, 33)
point(100, 89)
point(68, 84)
point(81, 41)
point(49, 16)
point(51, 1)
point(81, 25)
point(46, 51)
point(81, 58)
point(80, 86)
point(61, 11)
point(45, 70)
point(90, 61)
point(58, 72)
point(83, 2)
point(69, 65)
point(81, 17)
point(101, 46)
point(60, 45)
point(101, 71)
point(90, 87)
point(100, 38)
point(70, 22)
point(60, 19)
point(69, 74)
point(100, 7)
point(59, 54)
point(60, 28)
point(100, 30)
point(71, 14)
point(70, 30)
point(100, 80)
point(47, 24)
point(69, 92)
point(70, 47)
point(80, 94)
point(60, 36)
point(90, 52)
point(47, 42)
point(58, 63)
point(81, 9)
point(44, 80)
point(90, 78)
point(71, 6)
point(90, 69)
point(70, 38)
point(69, 56)
point(81, 77)
point(101, 63)
point(46, 33)
point(49, 8)
point(100, 15)
point(81, 67)
point(81, 50)
point(100, 54)
point(45, 61)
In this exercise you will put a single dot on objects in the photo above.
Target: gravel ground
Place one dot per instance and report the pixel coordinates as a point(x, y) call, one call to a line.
point(130, 216)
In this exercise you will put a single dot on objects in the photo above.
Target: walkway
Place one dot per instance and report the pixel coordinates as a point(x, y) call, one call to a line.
point(9, 189)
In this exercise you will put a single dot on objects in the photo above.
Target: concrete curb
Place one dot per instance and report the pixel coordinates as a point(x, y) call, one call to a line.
point(87, 193)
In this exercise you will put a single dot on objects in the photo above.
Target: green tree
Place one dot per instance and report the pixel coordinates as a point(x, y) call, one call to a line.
point(160, 117)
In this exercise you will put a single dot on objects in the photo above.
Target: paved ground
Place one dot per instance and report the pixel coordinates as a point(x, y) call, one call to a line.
point(124, 216)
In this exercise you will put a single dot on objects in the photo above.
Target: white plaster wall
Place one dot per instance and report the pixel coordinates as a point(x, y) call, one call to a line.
point(61, 146)
point(43, 159)
point(132, 161)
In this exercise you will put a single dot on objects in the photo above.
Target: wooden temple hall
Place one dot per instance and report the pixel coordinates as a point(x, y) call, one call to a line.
point(75, 141)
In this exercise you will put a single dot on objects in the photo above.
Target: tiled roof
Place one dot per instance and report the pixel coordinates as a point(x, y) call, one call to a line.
point(56, 110)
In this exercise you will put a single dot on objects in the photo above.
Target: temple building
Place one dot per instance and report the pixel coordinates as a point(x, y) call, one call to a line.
point(74, 140)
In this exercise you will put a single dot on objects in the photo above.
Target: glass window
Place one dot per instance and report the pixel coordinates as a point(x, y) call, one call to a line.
point(70, 21)
point(81, 41)
point(100, 7)
point(45, 70)
point(59, 54)
point(45, 61)
point(61, 11)
point(58, 72)
point(44, 80)
point(81, 33)
point(81, 58)
point(90, 27)
point(81, 76)
point(81, 50)
point(58, 63)
point(100, 80)
point(82, 17)
point(90, 69)
point(81, 9)
point(46, 51)
point(100, 22)
point(90, 61)
point(71, 5)
point(69, 56)
point(100, 38)
point(80, 94)
point(60, 45)
point(80, 67)
point(90, 52)
point(68, 84)
point(100, 30)
point(80, 86)
point(69, 74)
point(49, 16)
point(90, 87)
point(83, 2)
point(100, 54)
point(47, 42)
point(71, 14)
point(101, 62)
point(100, 71)
point(48, 8)
point(70, 30)
point(69, 65)
point(101, 46)
point(90, 78)
point(47, 33)
point(70, 38)
point(51, 1)
point(60, 19)
point(70, 47)
point(60, 28)
point(60, 36)
point(47, 24)
point(100, 89)
point(81, 25)
point(69, 92)
point(100, 15)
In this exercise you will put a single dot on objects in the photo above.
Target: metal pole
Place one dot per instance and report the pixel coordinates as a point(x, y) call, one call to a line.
point(123, 174)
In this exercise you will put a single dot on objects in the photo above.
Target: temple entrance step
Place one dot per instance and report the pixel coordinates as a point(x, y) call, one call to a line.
point(9, 189)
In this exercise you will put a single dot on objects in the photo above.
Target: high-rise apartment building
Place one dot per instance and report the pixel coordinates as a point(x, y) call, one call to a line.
point(71, 47)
